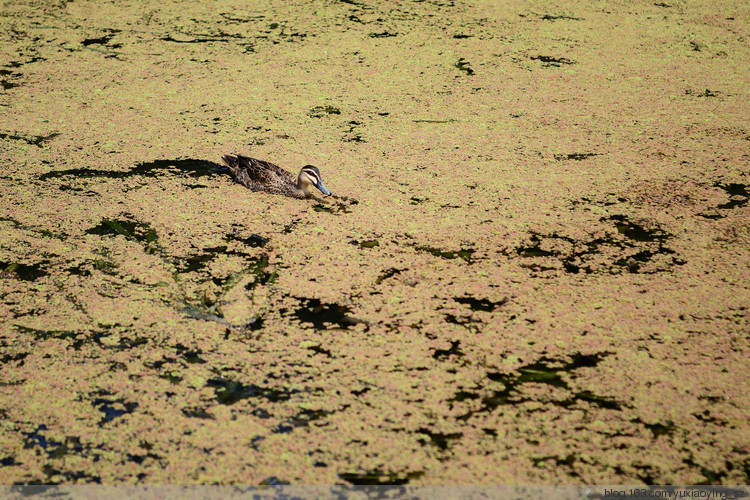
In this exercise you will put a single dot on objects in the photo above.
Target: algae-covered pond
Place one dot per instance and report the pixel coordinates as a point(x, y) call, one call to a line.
point(534, 267)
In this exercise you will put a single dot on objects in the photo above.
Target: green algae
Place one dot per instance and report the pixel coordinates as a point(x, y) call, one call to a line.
point(496, 216)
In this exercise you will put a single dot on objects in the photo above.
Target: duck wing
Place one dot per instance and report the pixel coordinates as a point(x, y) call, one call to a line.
point(257, 175)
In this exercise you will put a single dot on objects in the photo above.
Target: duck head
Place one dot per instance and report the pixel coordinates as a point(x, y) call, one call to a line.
point(310, 176)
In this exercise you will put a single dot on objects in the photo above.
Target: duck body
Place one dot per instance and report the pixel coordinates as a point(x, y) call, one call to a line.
point(259, 175)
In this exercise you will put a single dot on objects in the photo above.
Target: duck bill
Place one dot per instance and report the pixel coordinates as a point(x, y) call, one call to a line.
point(323, 188)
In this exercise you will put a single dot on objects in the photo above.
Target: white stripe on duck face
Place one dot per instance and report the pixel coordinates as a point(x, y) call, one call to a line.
point(314, 177)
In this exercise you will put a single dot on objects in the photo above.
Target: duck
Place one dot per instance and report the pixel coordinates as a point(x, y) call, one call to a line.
point(260, 175)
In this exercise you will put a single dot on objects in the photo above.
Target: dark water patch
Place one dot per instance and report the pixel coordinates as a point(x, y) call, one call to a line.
point(322, 208)
point(188, 167)
point(635, 247)
point(453, 350)
point(340, 204)
point(14, 270)
point(34, 140)
point(77, 338)
point(132, 230)
point(659, 429)
point(261, 276)
point(9, 461)
point(575, 156)
point(113, 408)
point(382, 34)
point(480, 304)
point(533, 250)
point(66, 187)
point(351, 135)
point(253, 324)
point(449, 120)
point(105, 266)
point(273, 481)
point(253, 241)
point(54, 476)
point(9, 358)
point(365, 243)
point(198, 262)
point(704, 93)
point(460, 36)
point(548, 61)
point(319, 350)
point(229, 392)
point(197, 413)
point(463, 396)
point(387, 274)
point(302, 419)
point(463, 254)
point(594, 399)
point(548, 17)
point(319, 315)
point(416, 200)
point(376, 477)
point(463, 65)
point(635, 231)
point(41, 232)
point(737, 191)
point(37, 438)
point(321, 111)
point(189, 355)
point(545, 371)
point(104, 40)
point(7, 83)
point(441, 441)
point(224, 38)
point(459, 320)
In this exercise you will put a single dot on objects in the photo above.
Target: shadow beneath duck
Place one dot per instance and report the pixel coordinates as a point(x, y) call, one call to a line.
point(189, 167)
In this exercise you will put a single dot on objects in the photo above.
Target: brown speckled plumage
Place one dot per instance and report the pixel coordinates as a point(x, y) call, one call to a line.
point(259, 175)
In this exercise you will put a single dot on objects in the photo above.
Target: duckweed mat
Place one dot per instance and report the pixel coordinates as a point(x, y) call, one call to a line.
point(534, 267)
